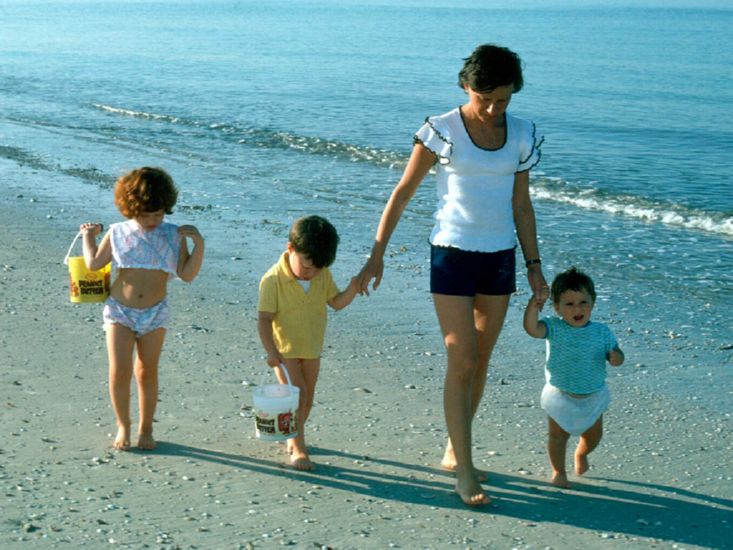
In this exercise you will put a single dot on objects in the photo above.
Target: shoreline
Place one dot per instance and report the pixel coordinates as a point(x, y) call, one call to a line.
point(377, 431)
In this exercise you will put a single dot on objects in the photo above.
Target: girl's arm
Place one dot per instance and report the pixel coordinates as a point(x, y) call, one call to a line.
point(96, 257)
point(264, 328)
point(524, 220)
point(417, 168)
point(340, 301)
point(531, 320)
point(189, 265)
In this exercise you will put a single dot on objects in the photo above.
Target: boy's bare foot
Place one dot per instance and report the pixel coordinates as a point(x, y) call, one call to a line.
point(302, 462)
point(581, 464)
point(449, 465)
point(560, 479)
point(471, 492)
point(122, 440)
point(145, 441)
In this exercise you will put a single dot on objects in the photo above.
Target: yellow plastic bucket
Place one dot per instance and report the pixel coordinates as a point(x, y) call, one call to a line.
point(276, 407)
point(86, 286)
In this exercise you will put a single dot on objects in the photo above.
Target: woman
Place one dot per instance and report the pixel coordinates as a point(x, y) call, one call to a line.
point(484, 156)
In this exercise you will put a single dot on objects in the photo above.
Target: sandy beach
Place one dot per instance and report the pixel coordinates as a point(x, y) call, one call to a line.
point(660, 478)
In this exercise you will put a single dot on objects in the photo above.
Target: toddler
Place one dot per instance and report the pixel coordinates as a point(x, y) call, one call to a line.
point(575, 395)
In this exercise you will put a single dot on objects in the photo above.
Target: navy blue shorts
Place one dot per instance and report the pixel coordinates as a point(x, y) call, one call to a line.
point(459, 272)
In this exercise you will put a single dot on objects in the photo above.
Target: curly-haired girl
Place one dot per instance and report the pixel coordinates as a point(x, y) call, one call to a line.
point(145, 252)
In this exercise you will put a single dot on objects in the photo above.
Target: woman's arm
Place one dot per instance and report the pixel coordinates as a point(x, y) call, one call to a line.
point(417, 168)
point(524, 220)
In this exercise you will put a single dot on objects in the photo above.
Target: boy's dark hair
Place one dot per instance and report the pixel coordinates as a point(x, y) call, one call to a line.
point(572, 279)
point(491, 66)
point(145, 190)
point(315, 238)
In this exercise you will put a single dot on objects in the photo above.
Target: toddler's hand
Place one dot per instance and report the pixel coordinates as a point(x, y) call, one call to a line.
point(93, 228)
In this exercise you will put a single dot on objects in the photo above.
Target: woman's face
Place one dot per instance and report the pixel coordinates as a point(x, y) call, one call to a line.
point(489, 105)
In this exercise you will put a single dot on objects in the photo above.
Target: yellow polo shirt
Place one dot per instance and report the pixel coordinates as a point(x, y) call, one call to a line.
point(299, 325)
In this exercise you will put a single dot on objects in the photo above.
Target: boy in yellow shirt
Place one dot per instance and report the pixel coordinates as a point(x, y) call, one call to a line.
point(292, 314)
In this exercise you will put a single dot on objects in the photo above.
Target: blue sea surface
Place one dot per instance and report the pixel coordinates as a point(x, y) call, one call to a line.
point(264, 111)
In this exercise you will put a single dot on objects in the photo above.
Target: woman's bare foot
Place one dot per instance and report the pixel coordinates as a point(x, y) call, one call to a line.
point(581, 464)
point(471, 492)
point(449, 465)
point(560, 479)
point(122, 440)
point(145, 441)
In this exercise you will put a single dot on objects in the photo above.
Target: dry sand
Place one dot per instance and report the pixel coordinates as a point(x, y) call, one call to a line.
point(661, 477)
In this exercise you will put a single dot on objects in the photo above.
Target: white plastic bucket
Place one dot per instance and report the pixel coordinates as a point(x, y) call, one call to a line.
point(276, 407)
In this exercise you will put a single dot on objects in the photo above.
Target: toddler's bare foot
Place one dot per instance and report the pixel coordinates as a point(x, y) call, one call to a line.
point(471, 492)
point(581, 464)
point(449, 465)
point(145, 441)
point(122, 440)
point(560, 479)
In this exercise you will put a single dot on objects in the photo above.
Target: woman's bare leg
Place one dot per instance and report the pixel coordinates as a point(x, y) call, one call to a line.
point(489, 313)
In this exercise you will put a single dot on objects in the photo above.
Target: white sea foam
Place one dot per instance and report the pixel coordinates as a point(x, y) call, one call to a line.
point(636, 207)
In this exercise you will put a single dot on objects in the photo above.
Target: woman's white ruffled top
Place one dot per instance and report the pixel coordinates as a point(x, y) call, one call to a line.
point(475, 185)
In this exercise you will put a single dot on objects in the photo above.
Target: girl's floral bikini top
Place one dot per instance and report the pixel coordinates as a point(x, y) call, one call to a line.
point(133, 247)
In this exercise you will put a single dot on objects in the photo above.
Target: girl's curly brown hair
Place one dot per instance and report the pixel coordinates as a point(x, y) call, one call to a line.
point(145, 190)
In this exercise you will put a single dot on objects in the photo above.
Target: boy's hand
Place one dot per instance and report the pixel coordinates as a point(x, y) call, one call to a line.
point(274, 359)
point(93, 229)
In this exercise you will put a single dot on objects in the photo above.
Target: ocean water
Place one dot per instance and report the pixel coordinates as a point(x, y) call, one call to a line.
point(264, 111)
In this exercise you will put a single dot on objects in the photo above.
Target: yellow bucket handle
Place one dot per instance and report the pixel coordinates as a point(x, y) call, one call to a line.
point(79, 234)
point(66, 259)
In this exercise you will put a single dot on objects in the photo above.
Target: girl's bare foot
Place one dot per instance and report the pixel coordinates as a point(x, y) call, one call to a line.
point(122, 441)
point(581, 464)
point(560, 479)
point(471, 492)
point(449, 465)
point(145, 441)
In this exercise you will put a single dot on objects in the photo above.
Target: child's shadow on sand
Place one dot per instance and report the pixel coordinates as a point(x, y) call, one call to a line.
point(627, 507)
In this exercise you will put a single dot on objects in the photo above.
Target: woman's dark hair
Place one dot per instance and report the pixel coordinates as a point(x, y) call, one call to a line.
point(315, 238)
point(491, 66)
point(572, 279)
point(145, 190)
